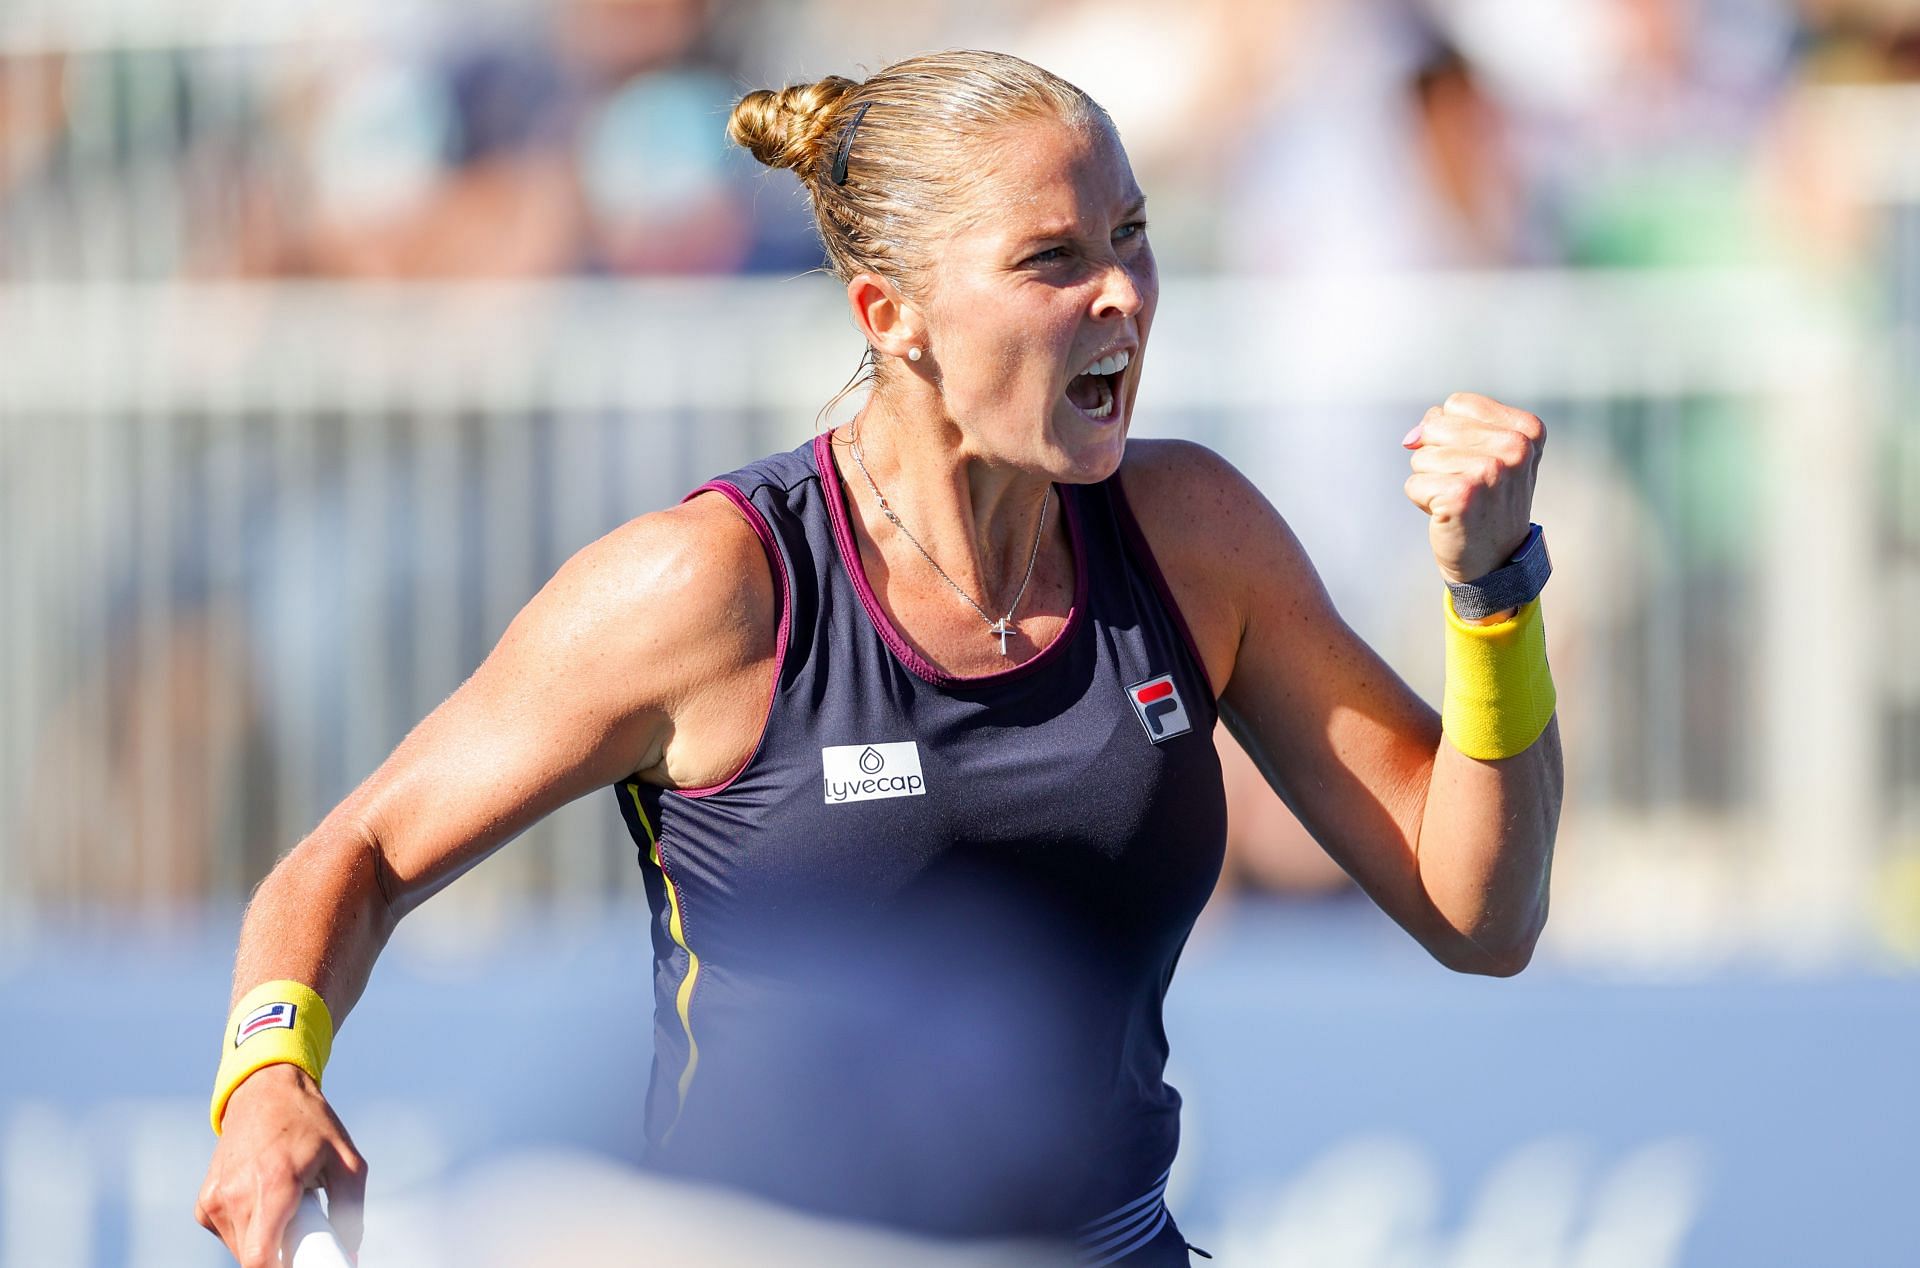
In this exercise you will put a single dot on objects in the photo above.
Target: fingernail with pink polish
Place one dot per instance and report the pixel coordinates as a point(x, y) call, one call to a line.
point(1412, 438)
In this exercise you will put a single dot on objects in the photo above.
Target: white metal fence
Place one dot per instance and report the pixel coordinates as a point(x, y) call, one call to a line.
point(249, 534)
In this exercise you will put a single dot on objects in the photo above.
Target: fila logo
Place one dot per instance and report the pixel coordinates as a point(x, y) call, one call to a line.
point(1159, 707)
point(868, 772)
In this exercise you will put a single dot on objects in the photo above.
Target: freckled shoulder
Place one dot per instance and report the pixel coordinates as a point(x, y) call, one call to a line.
point(1211, 532)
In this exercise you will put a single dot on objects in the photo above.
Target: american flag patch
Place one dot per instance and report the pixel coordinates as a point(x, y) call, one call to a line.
point(265, 1017)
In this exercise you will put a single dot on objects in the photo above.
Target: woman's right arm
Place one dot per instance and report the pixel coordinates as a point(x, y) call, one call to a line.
point(651, 651)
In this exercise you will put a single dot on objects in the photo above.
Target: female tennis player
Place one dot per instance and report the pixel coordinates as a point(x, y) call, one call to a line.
point(913, 725)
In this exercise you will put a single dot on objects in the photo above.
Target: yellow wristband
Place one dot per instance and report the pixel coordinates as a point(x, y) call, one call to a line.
point(1499, 695)
point(275, 1023)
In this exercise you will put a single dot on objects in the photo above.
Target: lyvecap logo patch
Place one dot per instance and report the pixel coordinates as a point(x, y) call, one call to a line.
point(1159, 707)
point(868, 772)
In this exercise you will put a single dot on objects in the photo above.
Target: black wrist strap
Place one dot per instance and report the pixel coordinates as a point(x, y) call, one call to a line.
point(1517, 582)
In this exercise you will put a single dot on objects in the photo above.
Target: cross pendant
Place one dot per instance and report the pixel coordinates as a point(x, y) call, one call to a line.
point(1001, 628)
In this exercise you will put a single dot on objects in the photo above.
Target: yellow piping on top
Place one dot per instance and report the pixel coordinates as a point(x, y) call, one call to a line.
point(677, 928)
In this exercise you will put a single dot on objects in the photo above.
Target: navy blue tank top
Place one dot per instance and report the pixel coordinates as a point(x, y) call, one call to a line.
point(910, 959)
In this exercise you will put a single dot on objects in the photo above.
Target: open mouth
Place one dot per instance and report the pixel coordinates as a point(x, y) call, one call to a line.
point(1095, 391)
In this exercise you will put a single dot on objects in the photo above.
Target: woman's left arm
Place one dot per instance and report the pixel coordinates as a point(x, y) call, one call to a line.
point(1457, 850)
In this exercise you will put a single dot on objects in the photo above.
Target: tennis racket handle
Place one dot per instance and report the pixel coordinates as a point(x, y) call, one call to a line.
point(310, 1242)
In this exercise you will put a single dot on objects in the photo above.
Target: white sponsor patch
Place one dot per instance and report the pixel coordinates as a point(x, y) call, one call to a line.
point(867, 772)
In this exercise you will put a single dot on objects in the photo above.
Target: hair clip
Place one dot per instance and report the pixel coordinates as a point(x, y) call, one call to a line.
point(846, 144)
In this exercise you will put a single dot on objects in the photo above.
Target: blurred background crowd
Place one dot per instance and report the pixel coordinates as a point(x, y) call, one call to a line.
point(1276, 136)
point(328, 330)
point(1343, 180)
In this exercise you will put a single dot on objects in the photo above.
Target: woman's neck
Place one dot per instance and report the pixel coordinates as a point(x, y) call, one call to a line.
point(978, 519)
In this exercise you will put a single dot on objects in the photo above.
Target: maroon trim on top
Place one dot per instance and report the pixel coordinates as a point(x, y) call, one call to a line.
point(896, 642)
point(764, 532)
point(1143, 554)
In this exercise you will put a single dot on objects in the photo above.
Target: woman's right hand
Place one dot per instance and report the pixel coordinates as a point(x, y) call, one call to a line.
point(279, 1138)
point(652, 653)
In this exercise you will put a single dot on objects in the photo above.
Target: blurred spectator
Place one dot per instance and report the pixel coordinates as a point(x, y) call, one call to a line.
point(1381, 151)
point(588, 137)
point(1840, 146)
point(665, 191)
point(1184, 85)
point(375, 164)
point(662, 187)
point(1460, 136)
point(1862, 41)
point(33, 114)
point(438, 168)
point(1661, 171)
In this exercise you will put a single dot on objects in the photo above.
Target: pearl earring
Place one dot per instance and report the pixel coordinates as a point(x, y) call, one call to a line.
point(913, 354)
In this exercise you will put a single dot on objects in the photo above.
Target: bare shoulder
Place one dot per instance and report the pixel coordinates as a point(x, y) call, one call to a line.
point(649, 652)
point(702, 555)
point(1220, 542)
point(1176, 485)
point(681, 593)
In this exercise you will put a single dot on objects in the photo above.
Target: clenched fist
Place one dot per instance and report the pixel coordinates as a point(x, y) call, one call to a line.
point(1474, 462)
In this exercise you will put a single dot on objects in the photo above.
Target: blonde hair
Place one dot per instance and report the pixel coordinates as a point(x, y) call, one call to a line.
point(912, 163)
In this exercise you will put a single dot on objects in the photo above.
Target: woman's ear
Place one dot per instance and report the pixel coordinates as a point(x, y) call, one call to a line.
point(891, 326)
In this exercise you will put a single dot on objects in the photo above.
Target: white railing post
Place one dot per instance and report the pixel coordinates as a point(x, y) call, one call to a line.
point(1813, 518)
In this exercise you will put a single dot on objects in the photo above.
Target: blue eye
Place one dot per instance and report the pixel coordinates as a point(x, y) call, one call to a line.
point(1048, 256)
point(1132, 229)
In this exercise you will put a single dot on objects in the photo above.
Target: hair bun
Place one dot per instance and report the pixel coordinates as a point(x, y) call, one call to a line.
point(791, 128)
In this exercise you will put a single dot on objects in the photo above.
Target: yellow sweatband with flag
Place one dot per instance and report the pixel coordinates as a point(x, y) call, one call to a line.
point(275, 1023)
point(1499, 695)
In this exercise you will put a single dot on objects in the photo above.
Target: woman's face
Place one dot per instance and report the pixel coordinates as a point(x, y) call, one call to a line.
point(1049, 276)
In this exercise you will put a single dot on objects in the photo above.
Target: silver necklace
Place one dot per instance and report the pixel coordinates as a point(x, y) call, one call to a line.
point(995, 629)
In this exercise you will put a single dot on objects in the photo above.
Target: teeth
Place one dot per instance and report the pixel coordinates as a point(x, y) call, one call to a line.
point(1109, 365)
point(1104, 409)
